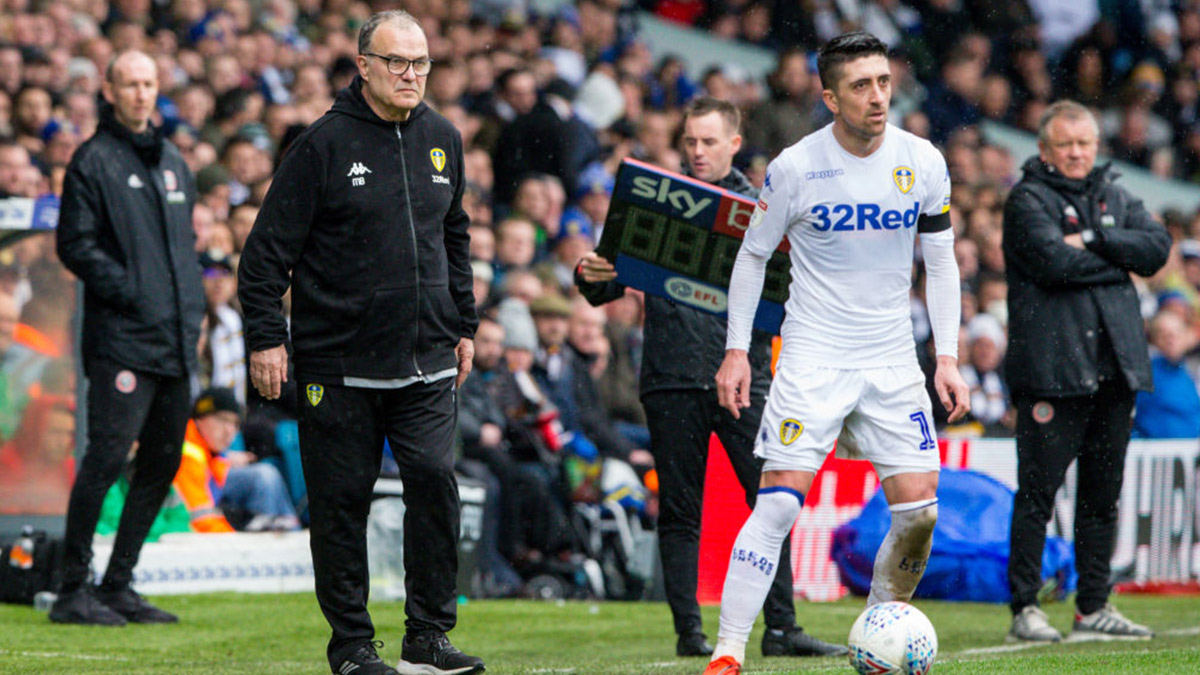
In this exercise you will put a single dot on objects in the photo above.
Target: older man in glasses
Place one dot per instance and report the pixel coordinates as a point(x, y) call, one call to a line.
point(364, 221)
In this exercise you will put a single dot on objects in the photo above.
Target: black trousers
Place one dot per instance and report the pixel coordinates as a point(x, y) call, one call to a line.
point(1051, 432)
point(341, 446)
point(681, 422)
point(124, 406)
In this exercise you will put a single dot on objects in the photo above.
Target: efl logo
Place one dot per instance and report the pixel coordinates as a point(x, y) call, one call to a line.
point(696, 294)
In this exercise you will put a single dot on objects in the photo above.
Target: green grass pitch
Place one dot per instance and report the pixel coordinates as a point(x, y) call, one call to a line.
point(262, 634)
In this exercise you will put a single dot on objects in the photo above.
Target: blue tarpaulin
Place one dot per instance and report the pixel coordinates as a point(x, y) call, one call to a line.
point(969, 560)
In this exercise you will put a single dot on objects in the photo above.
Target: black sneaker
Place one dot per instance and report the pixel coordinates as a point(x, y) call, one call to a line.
point(364, 660)
point(81, 606)
point(134, 607)
point(432, 654)
point(795, 642)
point(693, 644)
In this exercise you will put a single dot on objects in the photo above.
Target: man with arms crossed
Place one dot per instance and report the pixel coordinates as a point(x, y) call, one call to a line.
point(1077, 358)
point(850, 198)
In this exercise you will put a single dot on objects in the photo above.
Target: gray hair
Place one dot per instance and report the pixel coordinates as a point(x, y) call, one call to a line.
point(1068, 109)
point(406, 20)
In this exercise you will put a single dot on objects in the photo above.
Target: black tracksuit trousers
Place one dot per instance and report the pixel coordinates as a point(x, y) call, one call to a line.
point(341, 446)
point(1051, 433)
point(680, 423)
point(124, 406)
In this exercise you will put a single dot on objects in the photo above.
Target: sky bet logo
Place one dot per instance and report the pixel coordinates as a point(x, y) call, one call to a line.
point(852, 217)
point(682, 199)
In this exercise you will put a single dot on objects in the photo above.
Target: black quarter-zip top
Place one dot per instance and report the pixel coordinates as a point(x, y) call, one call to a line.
point(365, 219)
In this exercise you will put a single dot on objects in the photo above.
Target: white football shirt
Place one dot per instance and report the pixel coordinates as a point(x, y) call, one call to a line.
point(851, 223)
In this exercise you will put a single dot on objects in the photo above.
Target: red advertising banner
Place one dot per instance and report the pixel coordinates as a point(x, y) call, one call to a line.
point(838, 494)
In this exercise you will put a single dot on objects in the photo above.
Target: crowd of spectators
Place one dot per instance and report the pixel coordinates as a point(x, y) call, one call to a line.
point(548, 106)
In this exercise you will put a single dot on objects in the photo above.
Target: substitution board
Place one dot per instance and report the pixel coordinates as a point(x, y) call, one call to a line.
point(677, 237)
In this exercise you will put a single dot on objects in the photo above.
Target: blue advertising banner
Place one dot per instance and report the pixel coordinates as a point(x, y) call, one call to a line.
point(18, 213)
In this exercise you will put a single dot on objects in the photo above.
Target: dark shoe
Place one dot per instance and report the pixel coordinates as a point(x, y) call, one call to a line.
point(81, 606)
point(364, 660)
point(432, 654)
point(693, 644)
point(795, 642)
point(134, 607)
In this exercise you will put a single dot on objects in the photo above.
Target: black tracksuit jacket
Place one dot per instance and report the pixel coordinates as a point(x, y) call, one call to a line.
point(1071, 311)
point(125, 229)
point(364, 219)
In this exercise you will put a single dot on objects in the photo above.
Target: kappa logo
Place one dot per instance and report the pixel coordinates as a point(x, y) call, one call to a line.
point(660, 191)
point(789, 430)
point(438, 157)
point(905, 178)
point(135, 182)
point(822, 174)
point(357, 172)
point(315, 393)
point(767, 182)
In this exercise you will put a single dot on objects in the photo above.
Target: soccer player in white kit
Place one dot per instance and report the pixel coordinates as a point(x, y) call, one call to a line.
point(850, 198)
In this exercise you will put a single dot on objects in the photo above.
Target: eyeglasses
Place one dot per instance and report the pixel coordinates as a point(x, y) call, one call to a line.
point(398, 65)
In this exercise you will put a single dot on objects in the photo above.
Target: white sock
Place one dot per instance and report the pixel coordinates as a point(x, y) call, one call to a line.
point(902, 556)
point(730, 647)
point(752, 567)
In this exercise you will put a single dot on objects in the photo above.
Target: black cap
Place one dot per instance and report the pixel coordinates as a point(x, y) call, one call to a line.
point(215, 259)
point(215, 400)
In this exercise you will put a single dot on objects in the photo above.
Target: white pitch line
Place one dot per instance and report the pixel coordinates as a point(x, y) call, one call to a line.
point(1002, 649)
point(61, 655)
point(553, 670)
point(1194, 630)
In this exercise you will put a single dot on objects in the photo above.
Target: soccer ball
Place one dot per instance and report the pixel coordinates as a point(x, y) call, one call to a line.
point(892, 638)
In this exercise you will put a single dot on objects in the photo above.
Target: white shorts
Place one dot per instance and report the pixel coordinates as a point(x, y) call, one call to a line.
point(882, 413)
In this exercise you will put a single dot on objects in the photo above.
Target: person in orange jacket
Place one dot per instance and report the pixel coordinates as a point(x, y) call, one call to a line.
point(217, 485)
